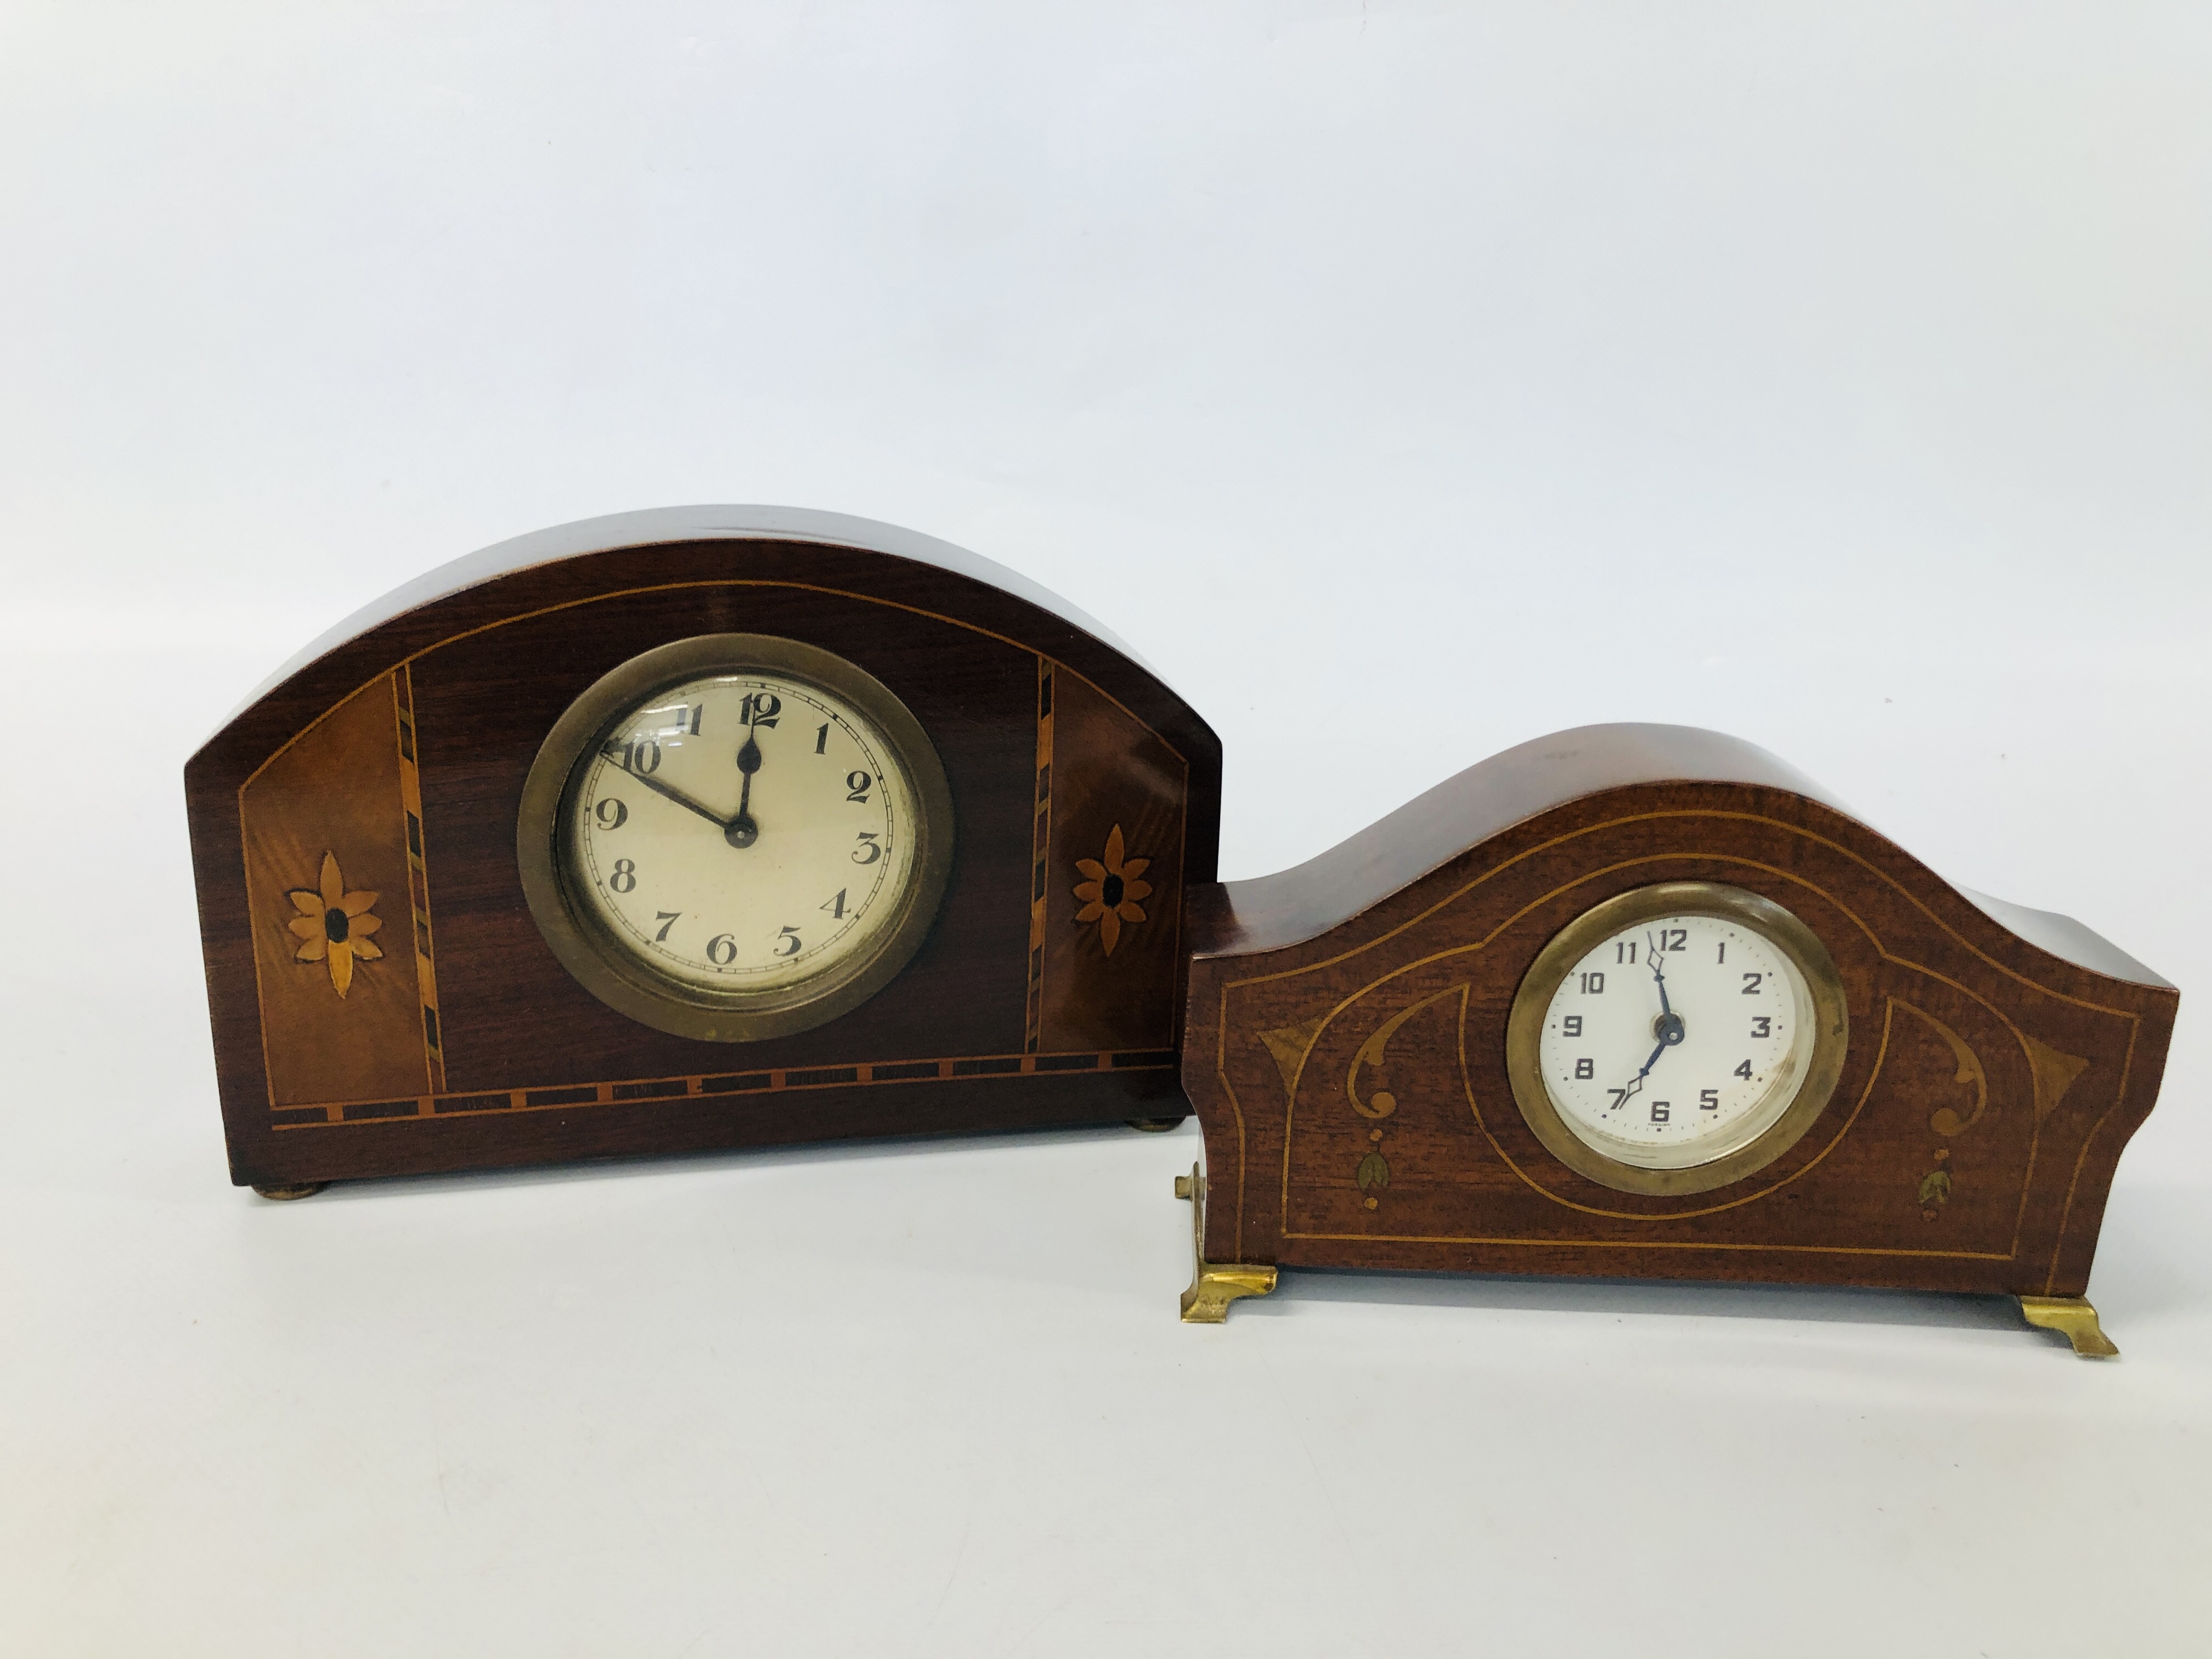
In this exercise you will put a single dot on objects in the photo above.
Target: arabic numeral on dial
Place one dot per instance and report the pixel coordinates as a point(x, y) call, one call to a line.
point(787, 943)
point(1722, 956)
point(822, 739)
point(1763, 1025)
point(1751, 982)
point(1743, 1072)
point(722, 950)
point(1673, 938)
point(1709, 1100)
point(869, 850)
point(1661, 1110)
point(1572, 1025)
point(760, 708)
point(1625, 951)
point(698, 714)
point(1585, 1068)
point(667, 919)
point(641, 756)
point(610, 812)
point(857, 785)
point(1619, 1098)
point(1593, 985)
point(624, 877)
point(835, 907)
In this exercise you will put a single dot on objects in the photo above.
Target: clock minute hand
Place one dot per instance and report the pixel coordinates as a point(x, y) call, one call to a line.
point(674, 794)
point(1669, 1027)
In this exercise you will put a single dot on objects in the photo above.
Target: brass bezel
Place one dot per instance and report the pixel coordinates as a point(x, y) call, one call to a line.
point(604, 966)
point(1524, 1028)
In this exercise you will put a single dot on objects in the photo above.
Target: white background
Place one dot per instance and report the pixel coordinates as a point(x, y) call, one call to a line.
point(1405, 382)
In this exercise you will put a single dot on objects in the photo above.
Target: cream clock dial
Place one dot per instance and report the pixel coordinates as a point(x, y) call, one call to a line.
point(750, 836)
point(1676, 1037)
point(744, 831)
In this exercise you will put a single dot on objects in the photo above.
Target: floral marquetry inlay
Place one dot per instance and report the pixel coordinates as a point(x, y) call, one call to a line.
point(333, 925)
point(1110, 891)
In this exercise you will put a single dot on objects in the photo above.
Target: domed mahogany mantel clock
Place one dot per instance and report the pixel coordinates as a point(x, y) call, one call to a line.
point(1642, 1001)
point(705, 827)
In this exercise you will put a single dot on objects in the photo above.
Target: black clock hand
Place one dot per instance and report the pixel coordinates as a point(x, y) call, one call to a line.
point(744, 830)
point(674, 794)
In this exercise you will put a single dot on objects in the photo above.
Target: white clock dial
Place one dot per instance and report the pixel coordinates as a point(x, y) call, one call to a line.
point(744, 832)
point(1676, 1041)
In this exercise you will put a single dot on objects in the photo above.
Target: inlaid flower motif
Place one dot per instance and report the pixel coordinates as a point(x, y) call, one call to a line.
point(1110, 891)
point(334, 926)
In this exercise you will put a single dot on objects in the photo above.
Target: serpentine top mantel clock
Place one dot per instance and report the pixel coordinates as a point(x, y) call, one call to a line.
point(1641, 1001)
point(699, 827)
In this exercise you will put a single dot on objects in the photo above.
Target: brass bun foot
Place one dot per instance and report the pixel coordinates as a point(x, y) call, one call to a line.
point(1214, 1285)
point(2073, 1318)
point(299, 1189)
point(1154, 1125)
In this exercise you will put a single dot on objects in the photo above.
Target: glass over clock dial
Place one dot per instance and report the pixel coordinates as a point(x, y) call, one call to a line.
point(1677, 1036)
point(749, 836)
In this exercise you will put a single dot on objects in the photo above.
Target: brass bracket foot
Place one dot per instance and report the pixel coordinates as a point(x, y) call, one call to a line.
point(299, 1189)
point(1153, 1126)
point(2072, 1317)
point(1214, 1285)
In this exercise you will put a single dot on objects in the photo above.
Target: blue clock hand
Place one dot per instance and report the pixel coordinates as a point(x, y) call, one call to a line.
point(1668, 1028)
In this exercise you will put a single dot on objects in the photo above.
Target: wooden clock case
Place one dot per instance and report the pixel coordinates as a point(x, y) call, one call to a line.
point(1346, 1046)
point(377, 778)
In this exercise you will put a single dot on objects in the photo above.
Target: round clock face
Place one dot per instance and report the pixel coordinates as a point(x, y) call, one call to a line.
point(743, 830)
point(1676, 1037)
point(747, 836)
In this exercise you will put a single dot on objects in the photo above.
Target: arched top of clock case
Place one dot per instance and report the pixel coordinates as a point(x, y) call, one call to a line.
point(670, 526)
point(1428, 832)
point(571, 561)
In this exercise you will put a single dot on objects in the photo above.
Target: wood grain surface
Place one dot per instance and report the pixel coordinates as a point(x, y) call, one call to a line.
point(1987, 1090)
point(402, 750)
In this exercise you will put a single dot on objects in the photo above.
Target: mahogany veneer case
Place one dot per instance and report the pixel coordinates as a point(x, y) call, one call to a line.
point(383, 1002)
point(1347, 1045)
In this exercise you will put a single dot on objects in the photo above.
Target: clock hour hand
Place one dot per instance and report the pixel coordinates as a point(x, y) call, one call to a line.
point(1636, 1084)
point(744, 830)
point(672, 794)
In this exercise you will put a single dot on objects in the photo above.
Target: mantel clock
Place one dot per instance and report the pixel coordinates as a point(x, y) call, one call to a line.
point(692, 829)
point(1642, 1001)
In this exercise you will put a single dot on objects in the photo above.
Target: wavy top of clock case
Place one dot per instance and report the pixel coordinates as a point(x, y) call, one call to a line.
point(1293, 905)
point(1348, 1041)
